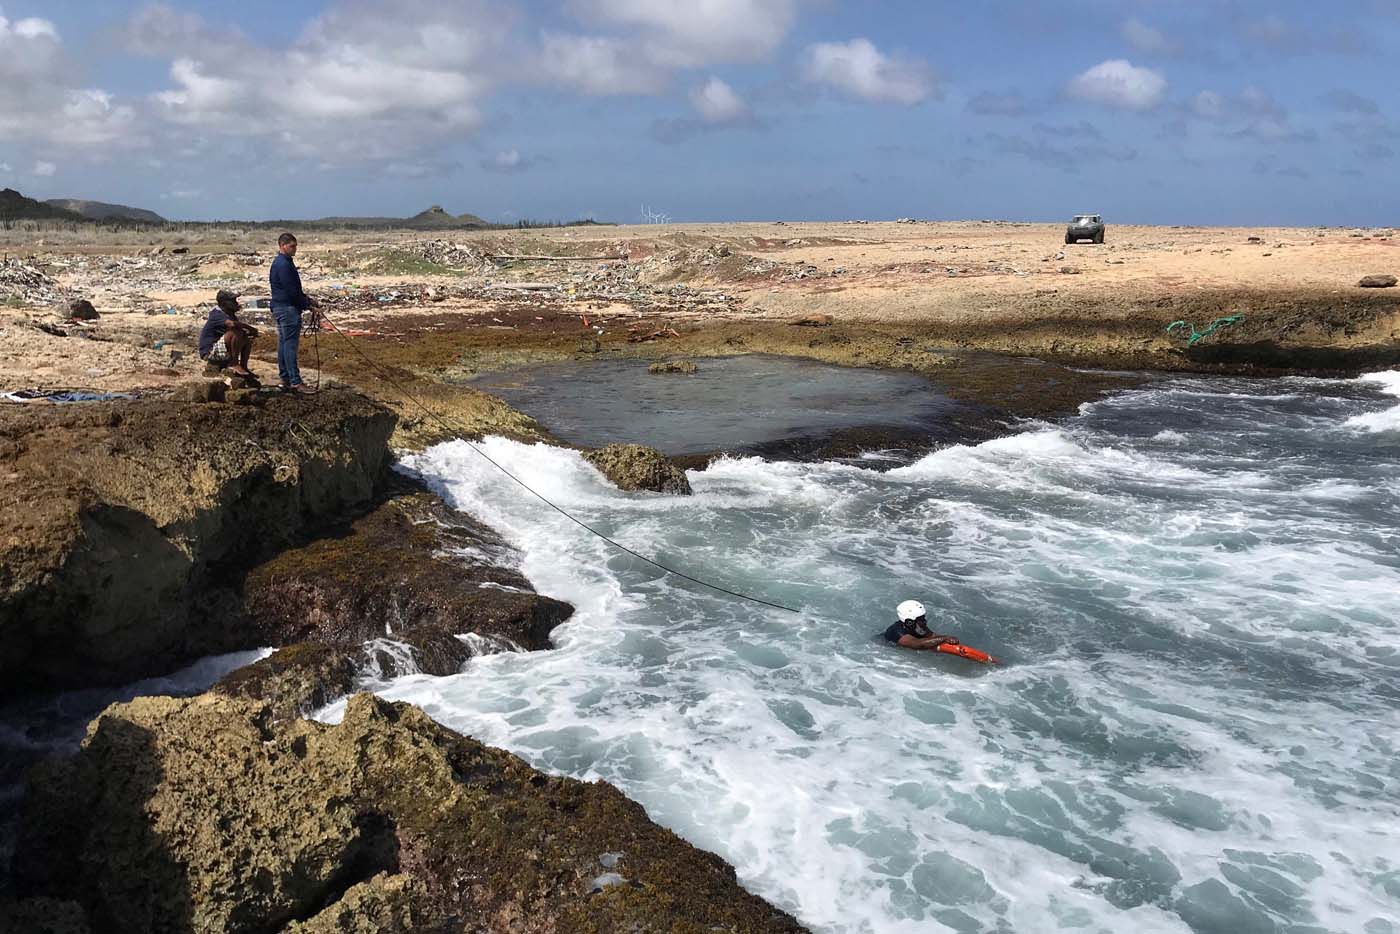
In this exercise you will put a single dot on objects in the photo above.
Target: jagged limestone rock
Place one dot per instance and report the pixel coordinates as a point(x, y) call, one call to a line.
point(636, 467)
point(684, 367)
point(204, 814)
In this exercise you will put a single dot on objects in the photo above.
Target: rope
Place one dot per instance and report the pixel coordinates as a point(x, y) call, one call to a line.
point(1196, 335)
point(460, 435)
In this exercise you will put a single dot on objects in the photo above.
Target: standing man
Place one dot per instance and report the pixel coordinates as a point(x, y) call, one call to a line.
point(288, 302)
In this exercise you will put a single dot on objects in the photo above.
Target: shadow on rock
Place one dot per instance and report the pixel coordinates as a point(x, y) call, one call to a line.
point(117, 868)
point(204, 814)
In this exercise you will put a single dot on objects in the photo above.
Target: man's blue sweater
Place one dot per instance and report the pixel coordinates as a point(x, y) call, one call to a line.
point(286, 283)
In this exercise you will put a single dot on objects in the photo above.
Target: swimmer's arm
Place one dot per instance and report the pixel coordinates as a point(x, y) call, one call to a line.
point(927, 642)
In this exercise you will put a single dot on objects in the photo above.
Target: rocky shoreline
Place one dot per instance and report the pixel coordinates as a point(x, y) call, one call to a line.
point(139, 535)
point(169, 530)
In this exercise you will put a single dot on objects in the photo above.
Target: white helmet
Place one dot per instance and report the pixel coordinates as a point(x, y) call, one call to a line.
point(910, 610)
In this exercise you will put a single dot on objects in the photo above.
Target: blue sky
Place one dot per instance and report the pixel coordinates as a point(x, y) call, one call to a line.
point(1212, 112)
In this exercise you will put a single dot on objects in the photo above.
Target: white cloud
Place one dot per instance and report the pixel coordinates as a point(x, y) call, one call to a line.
point(1252, 102)
point(1149, 40)
point(860, 70)
point(1121, 85)
point(34, 28)
point(695, 33)
point(600, 66)
point(30, 63)
point(1260, 103)
point(6, 168)
point(717, 103)
point(365, 81)
point(44, 169)
point(641, 43)
point(38, 103)
point(507, 159)
point(510, 162)
point(1208, 104)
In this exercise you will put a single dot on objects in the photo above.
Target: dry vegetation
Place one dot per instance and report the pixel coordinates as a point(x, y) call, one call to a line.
point(1010, 287)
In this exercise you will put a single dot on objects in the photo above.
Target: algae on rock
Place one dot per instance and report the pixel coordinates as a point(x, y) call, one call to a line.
point(205, 814)
point(636, 467)
point(134, 513)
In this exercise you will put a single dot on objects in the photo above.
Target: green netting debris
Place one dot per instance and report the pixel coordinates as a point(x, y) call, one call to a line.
point(1215, 325)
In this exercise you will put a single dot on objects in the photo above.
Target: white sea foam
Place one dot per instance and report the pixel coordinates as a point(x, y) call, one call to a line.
point(1388, 420)
point(1388, 381)
point(1194, 730)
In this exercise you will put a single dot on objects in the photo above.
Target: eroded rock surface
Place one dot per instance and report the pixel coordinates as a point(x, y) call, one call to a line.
point(205, 814)
point(683, 367)
point(412, 586)
point(636, 467)
point(121, 522)
point(412, 564)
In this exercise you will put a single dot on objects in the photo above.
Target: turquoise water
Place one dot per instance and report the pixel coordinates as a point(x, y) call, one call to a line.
point(1196, 588)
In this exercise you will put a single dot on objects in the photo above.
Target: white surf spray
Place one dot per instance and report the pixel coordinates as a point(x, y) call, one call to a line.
point(1388, 419)
point(1195, 730)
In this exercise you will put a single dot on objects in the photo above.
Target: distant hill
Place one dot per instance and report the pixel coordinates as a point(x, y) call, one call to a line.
point(101, 211)
point(16, 207)
point(435, 217)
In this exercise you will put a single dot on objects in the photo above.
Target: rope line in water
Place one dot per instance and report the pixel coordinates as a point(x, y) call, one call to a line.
point(1215, 325)
point(460, 435)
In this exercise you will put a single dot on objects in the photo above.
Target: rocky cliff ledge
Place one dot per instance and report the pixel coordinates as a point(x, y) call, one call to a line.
point(206, 815)
point(412, 586)
point(121, 523)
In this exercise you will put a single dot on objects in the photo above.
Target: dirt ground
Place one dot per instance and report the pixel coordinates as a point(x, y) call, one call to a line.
point(444, 307)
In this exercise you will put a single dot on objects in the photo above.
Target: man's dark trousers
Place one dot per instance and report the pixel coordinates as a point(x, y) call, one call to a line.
point(288, 320)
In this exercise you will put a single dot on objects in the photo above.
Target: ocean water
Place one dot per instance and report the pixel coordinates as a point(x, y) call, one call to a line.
point(1195, 587)
point(730, 403)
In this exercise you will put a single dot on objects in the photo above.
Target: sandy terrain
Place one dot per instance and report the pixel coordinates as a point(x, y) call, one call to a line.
point(1001, 286)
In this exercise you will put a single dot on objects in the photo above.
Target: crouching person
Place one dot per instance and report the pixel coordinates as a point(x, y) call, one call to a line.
point(226, 341)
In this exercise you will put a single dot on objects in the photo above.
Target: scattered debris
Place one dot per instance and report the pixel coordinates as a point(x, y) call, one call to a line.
point(82, 310)
point(522, 257)
point(63, 395)
point(605, 880)
point(1197, 336)
point(22, 283)
point(526, 286)
point(638, 337)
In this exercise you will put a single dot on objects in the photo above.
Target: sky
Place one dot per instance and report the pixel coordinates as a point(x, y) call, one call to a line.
point(1189, 112)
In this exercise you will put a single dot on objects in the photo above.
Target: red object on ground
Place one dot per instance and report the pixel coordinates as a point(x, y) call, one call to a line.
point(968, 652)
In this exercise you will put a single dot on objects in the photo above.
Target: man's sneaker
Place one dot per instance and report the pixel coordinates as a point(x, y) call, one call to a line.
point(305, 390)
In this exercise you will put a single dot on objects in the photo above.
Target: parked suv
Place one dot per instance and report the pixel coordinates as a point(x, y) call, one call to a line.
point(1085, 227)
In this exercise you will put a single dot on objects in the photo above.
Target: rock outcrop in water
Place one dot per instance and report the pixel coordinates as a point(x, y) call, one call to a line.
point(636, 467)
point(683, 367)
point(129, 518)
point(412, 586)
point(204, 814)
